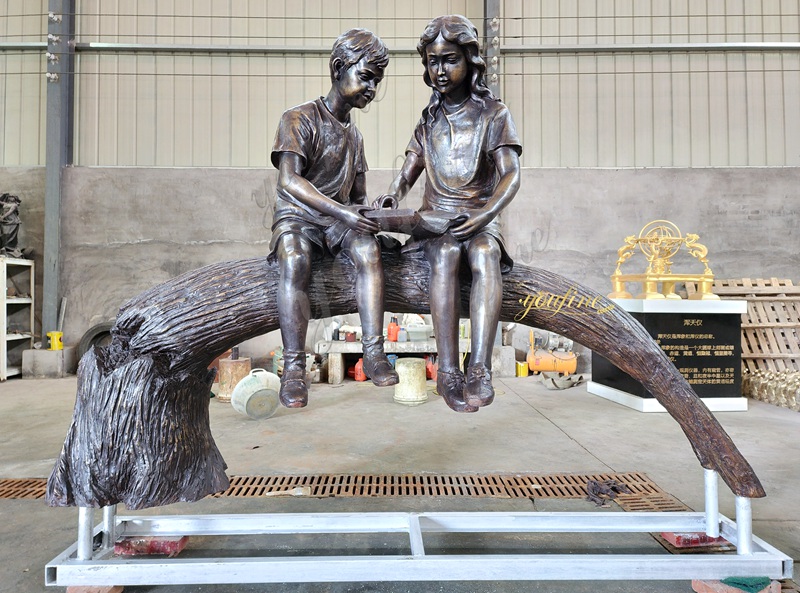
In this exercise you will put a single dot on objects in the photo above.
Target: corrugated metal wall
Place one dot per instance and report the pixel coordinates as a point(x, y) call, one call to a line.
point(22, 83)
point(220, 109)
point(602, 107)
point(644, 108)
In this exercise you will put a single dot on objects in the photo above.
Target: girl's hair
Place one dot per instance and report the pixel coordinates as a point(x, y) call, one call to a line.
point(353, 45)
point(459, 30)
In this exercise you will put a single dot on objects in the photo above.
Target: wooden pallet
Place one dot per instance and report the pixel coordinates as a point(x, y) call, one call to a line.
point(771, 326)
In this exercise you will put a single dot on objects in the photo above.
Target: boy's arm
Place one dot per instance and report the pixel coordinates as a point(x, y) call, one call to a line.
point(291, 181)
point(413, 167)
point(507, 162)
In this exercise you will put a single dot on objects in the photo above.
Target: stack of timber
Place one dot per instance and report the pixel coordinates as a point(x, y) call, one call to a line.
point(770, 334)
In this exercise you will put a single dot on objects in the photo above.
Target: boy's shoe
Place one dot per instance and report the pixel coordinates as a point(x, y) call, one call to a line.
point(478, 390)
point(294, 390)
point(376, 365)
point(450, 385)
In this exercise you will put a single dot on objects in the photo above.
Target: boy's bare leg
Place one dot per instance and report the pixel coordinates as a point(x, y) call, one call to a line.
point(365, 252)
point(294, 256)
point(444, 256)
point(485, 302)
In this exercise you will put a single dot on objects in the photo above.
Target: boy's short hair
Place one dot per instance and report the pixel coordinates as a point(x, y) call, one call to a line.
point(353, 45)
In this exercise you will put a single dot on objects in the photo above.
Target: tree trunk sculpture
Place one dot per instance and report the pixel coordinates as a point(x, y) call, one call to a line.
point(140, 433)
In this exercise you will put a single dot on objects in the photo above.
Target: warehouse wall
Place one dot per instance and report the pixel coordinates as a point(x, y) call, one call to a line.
point(583, 88)
point(126, 229)
point(22, 83)
point(602, 122)
point(606, 83)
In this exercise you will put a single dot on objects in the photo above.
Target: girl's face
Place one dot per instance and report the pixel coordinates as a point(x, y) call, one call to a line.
point(447, 67)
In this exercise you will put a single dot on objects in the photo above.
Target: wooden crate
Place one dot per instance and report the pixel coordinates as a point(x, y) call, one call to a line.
point(771, 326)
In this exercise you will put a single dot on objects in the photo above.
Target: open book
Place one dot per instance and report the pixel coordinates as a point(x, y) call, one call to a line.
point(419, 224)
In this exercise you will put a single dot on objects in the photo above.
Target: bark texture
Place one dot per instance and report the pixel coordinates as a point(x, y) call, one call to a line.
point(140, 433)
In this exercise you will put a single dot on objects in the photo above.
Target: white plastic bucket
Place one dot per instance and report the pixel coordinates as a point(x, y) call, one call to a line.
point(412, 389)
point(256, 395)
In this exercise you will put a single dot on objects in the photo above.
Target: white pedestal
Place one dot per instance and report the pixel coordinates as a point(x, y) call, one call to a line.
point(650, 404)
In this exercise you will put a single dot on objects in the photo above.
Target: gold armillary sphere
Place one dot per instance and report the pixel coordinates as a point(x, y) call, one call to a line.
point(660, 239)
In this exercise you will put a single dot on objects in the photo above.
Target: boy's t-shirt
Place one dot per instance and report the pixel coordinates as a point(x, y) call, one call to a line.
point(332, 152)
point(457, 149)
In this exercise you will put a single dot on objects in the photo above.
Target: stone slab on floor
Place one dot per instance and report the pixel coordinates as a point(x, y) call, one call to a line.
point(692, 540)
point(151, 546)
point(49, 364)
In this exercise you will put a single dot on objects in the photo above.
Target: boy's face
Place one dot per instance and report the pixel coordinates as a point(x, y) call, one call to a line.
point(358, 84)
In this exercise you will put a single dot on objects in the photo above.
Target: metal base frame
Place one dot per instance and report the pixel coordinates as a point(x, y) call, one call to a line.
point(81, 565)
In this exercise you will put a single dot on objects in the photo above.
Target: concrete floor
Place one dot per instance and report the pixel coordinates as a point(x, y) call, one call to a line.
point(356, 428)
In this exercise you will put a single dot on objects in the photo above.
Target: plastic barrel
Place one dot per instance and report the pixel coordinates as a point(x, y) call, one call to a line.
point(256, 395)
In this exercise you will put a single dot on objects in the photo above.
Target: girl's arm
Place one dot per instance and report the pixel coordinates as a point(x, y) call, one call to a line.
point(358, 194)
point(291, 181)
point(412, 168)
point(507, 162)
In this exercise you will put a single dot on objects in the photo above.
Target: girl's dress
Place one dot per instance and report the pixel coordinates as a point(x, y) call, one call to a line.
point(457, 146)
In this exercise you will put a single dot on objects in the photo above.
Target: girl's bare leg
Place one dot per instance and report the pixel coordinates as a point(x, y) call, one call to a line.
point(444, 256)
point(485, 302)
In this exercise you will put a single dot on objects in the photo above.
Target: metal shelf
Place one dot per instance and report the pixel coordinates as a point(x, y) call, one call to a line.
point(16, 313)
point(18, 300)
point(12, 337)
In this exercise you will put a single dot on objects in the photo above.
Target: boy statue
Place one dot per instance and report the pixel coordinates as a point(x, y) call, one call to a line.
point(319, 155)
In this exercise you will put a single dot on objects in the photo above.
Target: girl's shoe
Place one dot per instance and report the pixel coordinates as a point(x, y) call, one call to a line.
point(450, 385)
point(478, 390)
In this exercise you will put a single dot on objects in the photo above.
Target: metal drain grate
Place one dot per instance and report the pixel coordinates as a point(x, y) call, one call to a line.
point(369, 485)
point(645, 495)
point(25, 488)
point(574, 485)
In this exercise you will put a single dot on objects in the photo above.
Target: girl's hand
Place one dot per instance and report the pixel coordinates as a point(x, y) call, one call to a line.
point(386, 201)
point(476, 220)
point(352, 217)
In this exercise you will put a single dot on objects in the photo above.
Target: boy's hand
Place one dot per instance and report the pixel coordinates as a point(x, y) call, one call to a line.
point(476, 220)
point(386, 201)
point(352, 217)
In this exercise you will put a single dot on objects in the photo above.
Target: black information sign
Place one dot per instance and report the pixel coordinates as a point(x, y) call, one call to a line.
point(706, 349)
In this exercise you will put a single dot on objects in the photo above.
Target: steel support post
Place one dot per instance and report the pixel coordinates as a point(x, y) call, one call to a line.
point(60, 121)
point(85, 537)
point(744, 526)
point(109, 526)
point(712, 503)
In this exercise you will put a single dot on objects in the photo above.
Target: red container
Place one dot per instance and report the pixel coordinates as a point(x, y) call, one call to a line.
point(360, 376)
point(392, 330)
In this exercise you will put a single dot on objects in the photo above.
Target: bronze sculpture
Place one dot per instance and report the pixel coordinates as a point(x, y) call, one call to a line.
point(140, 432)
point(467, 145)
point(321, 196)
point(165, 338)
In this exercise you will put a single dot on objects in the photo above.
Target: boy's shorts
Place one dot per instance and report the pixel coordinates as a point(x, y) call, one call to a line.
point(327, 239)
